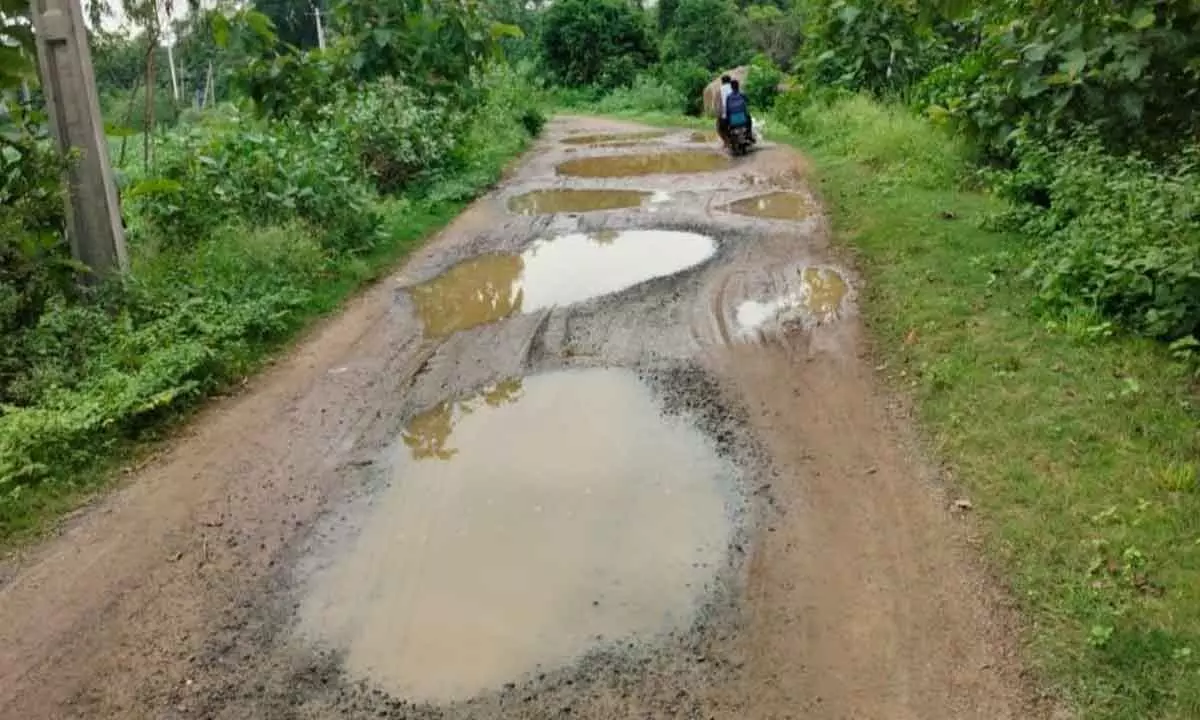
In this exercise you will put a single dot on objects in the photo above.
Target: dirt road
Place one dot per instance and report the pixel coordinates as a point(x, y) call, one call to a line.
point(588, 454)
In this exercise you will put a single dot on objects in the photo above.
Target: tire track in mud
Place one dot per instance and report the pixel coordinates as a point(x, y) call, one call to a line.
point(844, 588)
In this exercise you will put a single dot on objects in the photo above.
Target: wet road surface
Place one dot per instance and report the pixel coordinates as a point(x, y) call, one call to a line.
point(608, 447)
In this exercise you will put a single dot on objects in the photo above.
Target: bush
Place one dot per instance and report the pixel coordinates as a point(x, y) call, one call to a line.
point(397, 133)
point(1117, 234)
point(232, 167)
point(762, 83)
point(689, 80)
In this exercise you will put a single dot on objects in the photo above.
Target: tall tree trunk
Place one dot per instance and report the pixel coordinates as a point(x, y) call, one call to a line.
point(148, 135)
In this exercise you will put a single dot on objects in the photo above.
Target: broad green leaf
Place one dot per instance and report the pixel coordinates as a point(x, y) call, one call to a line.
point(154, 186)
point(1143, 18)
point(1074, 61)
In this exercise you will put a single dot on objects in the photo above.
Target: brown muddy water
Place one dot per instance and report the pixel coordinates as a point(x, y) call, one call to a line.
point(521, 529)
point(566, 200)
point(603, 138)
point(554, 272)
point(667, 163)
point(813, 296)
point(774, 206)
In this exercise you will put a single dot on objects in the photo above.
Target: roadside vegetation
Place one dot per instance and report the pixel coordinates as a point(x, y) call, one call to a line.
point(292, 177)
point(1020, 184)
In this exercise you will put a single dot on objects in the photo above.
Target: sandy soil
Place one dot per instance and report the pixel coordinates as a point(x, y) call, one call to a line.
point(684, 497)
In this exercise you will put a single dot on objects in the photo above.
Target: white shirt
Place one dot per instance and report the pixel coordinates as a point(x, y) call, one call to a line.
point(726, 91)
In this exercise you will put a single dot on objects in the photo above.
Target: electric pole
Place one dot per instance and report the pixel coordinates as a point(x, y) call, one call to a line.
point(93, 215)
point(320, 26)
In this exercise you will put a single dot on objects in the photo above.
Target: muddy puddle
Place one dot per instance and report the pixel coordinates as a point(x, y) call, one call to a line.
point(816, 296)
point(566, 200)
point(519, 530)
point(554, 272)
point(644, 164)
point(703, 137)
point(606, 138)
point(774, 206)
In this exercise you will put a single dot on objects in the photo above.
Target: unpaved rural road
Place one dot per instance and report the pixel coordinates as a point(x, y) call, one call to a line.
point(625, 463)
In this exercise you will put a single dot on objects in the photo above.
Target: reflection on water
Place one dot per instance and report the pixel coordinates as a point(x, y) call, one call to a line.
point(776, 206)
point(427, 435)
point(564, 200)
point(555, 272)
point(818, 299)
point(570, 514)
point(613, 138)
point(644, 164)
point(477, 292)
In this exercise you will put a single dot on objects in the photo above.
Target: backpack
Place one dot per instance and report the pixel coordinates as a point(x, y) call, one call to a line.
point(736, 111)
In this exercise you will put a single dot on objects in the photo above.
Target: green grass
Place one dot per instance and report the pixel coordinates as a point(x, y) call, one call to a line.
point(1078, 447)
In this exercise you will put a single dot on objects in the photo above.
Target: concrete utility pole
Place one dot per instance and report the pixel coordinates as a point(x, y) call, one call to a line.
point(320, 26)
point(69, 84)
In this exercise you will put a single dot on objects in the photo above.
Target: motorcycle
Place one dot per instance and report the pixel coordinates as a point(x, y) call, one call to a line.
point(740, 137)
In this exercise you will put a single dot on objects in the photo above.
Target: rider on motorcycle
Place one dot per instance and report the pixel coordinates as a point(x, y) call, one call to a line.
point(737, 110)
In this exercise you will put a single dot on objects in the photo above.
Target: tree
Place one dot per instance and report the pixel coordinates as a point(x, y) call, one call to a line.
point(709, 32)
point(774, 32)
point(596, 42)
point(666, 14)
point(294, 20)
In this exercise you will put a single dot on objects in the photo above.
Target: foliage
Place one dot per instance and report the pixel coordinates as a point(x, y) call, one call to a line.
point(294, 21)
point(880, 46)
point(688, 80)
point(1119, 235)
point(596, 42)
point(774, 32)
point(708, 32)
point(647, 94)
point(1131, 69)
point(762, 82)
point(35, 263)
point(434, 44)
point(397, 133)
point(17, 49)
point(269, 171)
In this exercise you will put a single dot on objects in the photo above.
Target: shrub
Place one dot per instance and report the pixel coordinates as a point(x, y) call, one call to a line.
point(398, 133)
point(1117, 234)
point(762, 82)
point(233, 167)
point(689, 80)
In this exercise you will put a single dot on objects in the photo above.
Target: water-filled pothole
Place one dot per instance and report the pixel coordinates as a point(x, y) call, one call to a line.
point(644, 164)
point(601, 138)
point(818, 299)
point(776, 206)
point(704, 137)
point(562, 514)
point(559, 271)
point(566, 200)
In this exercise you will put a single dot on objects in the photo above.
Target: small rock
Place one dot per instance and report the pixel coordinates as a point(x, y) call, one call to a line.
point(873, 469)
point(963, 504)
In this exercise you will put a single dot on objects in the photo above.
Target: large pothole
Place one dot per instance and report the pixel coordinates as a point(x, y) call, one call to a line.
point(568, 200)
point(520, 530)
point(666, 163)
point(555, 272)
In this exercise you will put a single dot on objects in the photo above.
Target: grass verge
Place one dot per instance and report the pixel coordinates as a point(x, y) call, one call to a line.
point(1078, 446)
